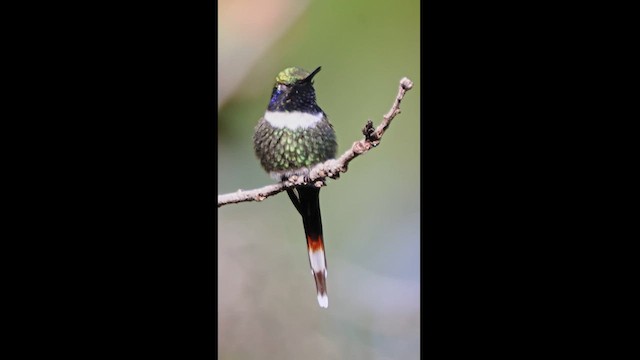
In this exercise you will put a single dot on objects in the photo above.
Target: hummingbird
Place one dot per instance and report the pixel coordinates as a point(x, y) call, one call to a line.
point(294, 135)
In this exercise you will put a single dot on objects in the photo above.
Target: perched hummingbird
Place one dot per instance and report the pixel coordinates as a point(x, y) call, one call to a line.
point(293, 136)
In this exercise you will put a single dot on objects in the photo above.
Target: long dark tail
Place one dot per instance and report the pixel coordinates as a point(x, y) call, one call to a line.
point(308, 204)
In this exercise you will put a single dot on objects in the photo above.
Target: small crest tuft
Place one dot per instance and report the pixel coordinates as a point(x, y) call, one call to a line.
point(291, 75)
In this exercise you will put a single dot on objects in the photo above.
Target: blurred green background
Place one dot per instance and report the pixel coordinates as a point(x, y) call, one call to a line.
point(267, 306)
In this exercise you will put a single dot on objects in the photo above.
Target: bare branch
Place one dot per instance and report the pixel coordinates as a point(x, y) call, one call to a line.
point(330, 168)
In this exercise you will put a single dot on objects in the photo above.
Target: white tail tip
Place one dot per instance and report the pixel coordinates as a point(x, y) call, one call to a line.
point(323, 300)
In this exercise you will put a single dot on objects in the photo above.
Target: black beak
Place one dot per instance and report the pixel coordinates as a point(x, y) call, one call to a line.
point(310, 77)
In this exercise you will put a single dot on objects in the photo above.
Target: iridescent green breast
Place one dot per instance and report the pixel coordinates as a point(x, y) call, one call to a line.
point(286, 150)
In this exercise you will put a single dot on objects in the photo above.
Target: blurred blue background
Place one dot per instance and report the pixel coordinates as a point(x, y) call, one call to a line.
point(267, 304)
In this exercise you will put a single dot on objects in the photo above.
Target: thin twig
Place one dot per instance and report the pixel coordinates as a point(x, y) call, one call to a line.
point(330, 168)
